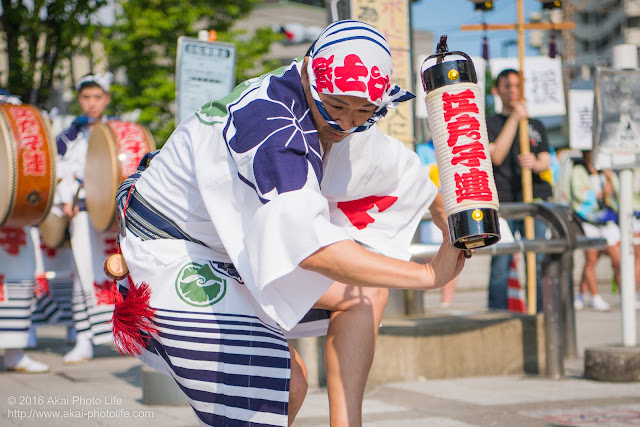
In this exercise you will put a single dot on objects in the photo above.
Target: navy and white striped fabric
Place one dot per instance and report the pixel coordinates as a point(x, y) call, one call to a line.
point(15, 314)
point(234, 369)
point(142, 219)
point(61, 291)
point(92, 304)
point(232, 364)
point(45, 311)
point(90, 319)
point(17, 296)
point(353, 58)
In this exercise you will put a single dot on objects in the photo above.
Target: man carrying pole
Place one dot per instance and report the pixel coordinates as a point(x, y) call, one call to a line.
point(527, 178)
point(510, 160)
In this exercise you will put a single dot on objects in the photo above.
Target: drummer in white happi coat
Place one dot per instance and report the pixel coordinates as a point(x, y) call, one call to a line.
point(92, 302)
point(17, 298)
point(249, 217)
point(17, 290)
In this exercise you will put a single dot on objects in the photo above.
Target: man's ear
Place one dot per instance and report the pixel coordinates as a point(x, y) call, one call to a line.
point(494, 90)
point(304, 75)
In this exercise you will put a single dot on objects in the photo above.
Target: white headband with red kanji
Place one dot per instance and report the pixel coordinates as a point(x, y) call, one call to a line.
point(353, 58)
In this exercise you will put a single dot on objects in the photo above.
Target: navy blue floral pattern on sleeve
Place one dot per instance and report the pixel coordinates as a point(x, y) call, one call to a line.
point(281, 128)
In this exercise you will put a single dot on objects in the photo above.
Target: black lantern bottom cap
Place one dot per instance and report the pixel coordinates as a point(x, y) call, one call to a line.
point(474, 228)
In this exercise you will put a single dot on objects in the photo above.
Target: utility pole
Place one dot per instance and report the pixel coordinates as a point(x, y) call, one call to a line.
point(527, 191)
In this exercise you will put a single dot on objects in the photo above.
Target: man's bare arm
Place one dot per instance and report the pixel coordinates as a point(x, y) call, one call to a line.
point(438, 216)
point(349, 263)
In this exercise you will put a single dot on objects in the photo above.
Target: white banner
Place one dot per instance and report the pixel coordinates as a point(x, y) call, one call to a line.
point(543, 88)
point(205, 72)
point(581, 119)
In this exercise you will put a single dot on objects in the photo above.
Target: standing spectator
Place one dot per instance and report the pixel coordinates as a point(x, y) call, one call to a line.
point(636, 230)
point(504, 146)
point(592, 197)
point(92, 297)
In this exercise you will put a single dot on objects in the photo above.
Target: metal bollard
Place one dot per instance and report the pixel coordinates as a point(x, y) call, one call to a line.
point(553, 322)
point(566, 293)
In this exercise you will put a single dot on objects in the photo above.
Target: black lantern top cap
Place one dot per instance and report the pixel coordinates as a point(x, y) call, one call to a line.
point(447, 72)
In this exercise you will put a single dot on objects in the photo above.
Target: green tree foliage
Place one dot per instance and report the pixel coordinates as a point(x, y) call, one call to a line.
point(39, 35)
point(143, 45)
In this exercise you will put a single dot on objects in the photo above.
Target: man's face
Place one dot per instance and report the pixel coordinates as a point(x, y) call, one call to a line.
point(93, 101)
point(348, 111)
point(508, 89)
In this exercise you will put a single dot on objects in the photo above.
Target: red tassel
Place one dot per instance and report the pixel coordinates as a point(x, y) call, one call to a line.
point(131, 316)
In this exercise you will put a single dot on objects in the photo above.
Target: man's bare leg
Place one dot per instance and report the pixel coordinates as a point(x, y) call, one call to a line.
point(297, 384)
point(350, 347)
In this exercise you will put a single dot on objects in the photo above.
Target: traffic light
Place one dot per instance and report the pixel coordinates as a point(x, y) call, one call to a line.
point(551, 4)
point(483, 5)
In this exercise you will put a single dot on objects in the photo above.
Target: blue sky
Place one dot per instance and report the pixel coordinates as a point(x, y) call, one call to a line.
point(446, 16)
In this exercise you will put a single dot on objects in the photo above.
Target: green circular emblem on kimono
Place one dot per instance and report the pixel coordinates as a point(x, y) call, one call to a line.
point(198, 285)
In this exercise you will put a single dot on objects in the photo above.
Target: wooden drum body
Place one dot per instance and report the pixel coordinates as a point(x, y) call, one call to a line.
point(114, 152)
point(27, 165)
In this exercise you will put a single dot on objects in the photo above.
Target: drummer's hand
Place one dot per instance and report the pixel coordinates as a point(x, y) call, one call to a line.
point(69, 210)
point(447, 263)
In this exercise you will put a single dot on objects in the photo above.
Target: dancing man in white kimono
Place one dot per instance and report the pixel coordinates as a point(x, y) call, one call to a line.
point(92, 298)
point(249, 218)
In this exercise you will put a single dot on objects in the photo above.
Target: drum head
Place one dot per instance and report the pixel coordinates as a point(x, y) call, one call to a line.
point(27, 165)
point(115, 150)
point(7, 169)
point(53, 230)
point(101, 178)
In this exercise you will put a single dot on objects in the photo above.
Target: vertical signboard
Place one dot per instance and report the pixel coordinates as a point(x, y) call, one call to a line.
point(205, 71)
point(391, 18)
point(580, 119)
point(616, 136)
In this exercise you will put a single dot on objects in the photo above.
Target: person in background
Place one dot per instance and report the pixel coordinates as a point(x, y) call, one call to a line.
point(428, 231)
point(593, 197)
point(17, 290)
point(636, 231)
point(92, 300)
point(508, 161)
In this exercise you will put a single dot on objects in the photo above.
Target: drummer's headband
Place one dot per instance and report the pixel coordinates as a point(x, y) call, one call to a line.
point(353, 58)
point(102, 80)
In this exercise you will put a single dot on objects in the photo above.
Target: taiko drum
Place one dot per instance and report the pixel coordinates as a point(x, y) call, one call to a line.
point(27, 165)
point(115, 150)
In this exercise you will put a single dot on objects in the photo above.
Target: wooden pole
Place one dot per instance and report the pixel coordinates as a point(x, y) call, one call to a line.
point(527, 189)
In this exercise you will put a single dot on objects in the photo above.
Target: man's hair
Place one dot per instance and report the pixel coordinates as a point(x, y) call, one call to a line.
point(89, 84)
point(504, 74)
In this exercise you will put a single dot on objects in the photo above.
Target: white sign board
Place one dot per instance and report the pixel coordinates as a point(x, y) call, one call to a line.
point(421, 106)
point(205, 71)
point(543, 88)
point(581, 119)
point(616, 138)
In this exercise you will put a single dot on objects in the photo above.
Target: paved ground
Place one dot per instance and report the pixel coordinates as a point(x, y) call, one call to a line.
point(106, 391)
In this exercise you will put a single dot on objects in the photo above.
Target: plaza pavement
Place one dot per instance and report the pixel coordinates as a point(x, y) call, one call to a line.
point(107, 390)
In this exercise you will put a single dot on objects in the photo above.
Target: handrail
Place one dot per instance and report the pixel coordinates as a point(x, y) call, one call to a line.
point(567, 236)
